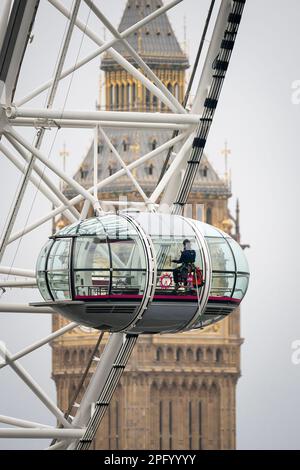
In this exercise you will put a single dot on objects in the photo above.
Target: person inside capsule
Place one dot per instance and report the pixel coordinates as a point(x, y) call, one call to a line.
point(186, 260)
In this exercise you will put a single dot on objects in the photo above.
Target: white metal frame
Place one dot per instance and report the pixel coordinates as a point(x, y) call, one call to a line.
point(13, 116)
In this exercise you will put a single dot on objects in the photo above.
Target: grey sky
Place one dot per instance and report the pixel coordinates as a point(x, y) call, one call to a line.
point(261, 124)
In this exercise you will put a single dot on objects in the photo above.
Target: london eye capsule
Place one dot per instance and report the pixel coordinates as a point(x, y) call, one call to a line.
point(142, 273)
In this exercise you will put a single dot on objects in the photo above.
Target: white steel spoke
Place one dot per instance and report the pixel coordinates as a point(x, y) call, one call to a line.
point(22, 423)
point(147, 70)
point(33, 385)
point(42, 342)
point(40, 135)
point(114, 116)
point(85, 209)
point(71, 214)
point(125, 167)
point(4, 15)
point(172, 171)
point(19, 284)
point(17, 271)
point(11, 135)
point(43, 433)
point(23, 308)
point(87, 124)
point(38, 183)
point(101, 184)
point(104, 45)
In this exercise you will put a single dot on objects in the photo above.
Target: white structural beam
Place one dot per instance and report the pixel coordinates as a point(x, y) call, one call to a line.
point(114, 116)
point(93, 36)
point(40, 135)
point(139, 61)
point(38, 183)
point(5, 6)
point(34, 386)
point(17, 271)
point(72, 214)
point(124, 166)
point(20, 284)
point(14, 42)
point(22, 423)
point(72, 124)
point(116, 56)
point(12, 135)
point(24, 308)
point(43, 433)
point(171, 172)
point(42, 342)
point(107, 181)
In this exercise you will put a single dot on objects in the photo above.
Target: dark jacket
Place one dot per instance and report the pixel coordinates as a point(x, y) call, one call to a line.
point(187, 256)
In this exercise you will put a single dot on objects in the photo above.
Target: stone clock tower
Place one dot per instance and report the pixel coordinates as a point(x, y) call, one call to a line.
point(178, 391)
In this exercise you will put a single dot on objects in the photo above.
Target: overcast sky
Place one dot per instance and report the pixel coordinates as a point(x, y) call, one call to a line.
point(258, 118)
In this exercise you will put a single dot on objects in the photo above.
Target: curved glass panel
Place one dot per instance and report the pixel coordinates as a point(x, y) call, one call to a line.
point(240, 258)
point(41, 261)
point(207, 230)
point(58, 269)
point(91, 227)
point(91, 253)
point(42, 285)
point(91, 263)
point(241, 286)
point(221, 254)
point(69, 230)
point(112, 263)
point(222, 285)
point(40, 271)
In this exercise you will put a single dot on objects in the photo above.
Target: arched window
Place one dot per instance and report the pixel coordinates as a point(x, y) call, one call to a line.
point(219, 356)
point(208, 215)
point(209, 355)
point(205, 171)
point(117, 103)
point(134, 95)
point(148, 99)
point(176, 91)
point(125, 145)
point(179, 354)
point(67, 357)
point(81, 356)
point(122, 96)
point(199, 355)
point(153, 144)
point(159, 354)
point(74, 357)
point(128, 97)
point(111, 97)
point(154, 102)
point(170, 354)
point(150, 169)
point(110, 170)
point(190, 355)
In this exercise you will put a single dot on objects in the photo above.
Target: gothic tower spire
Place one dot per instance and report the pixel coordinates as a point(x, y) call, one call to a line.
point(158, 46)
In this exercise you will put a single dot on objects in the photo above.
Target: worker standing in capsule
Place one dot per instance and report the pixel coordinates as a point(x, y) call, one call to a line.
point(187, 258)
